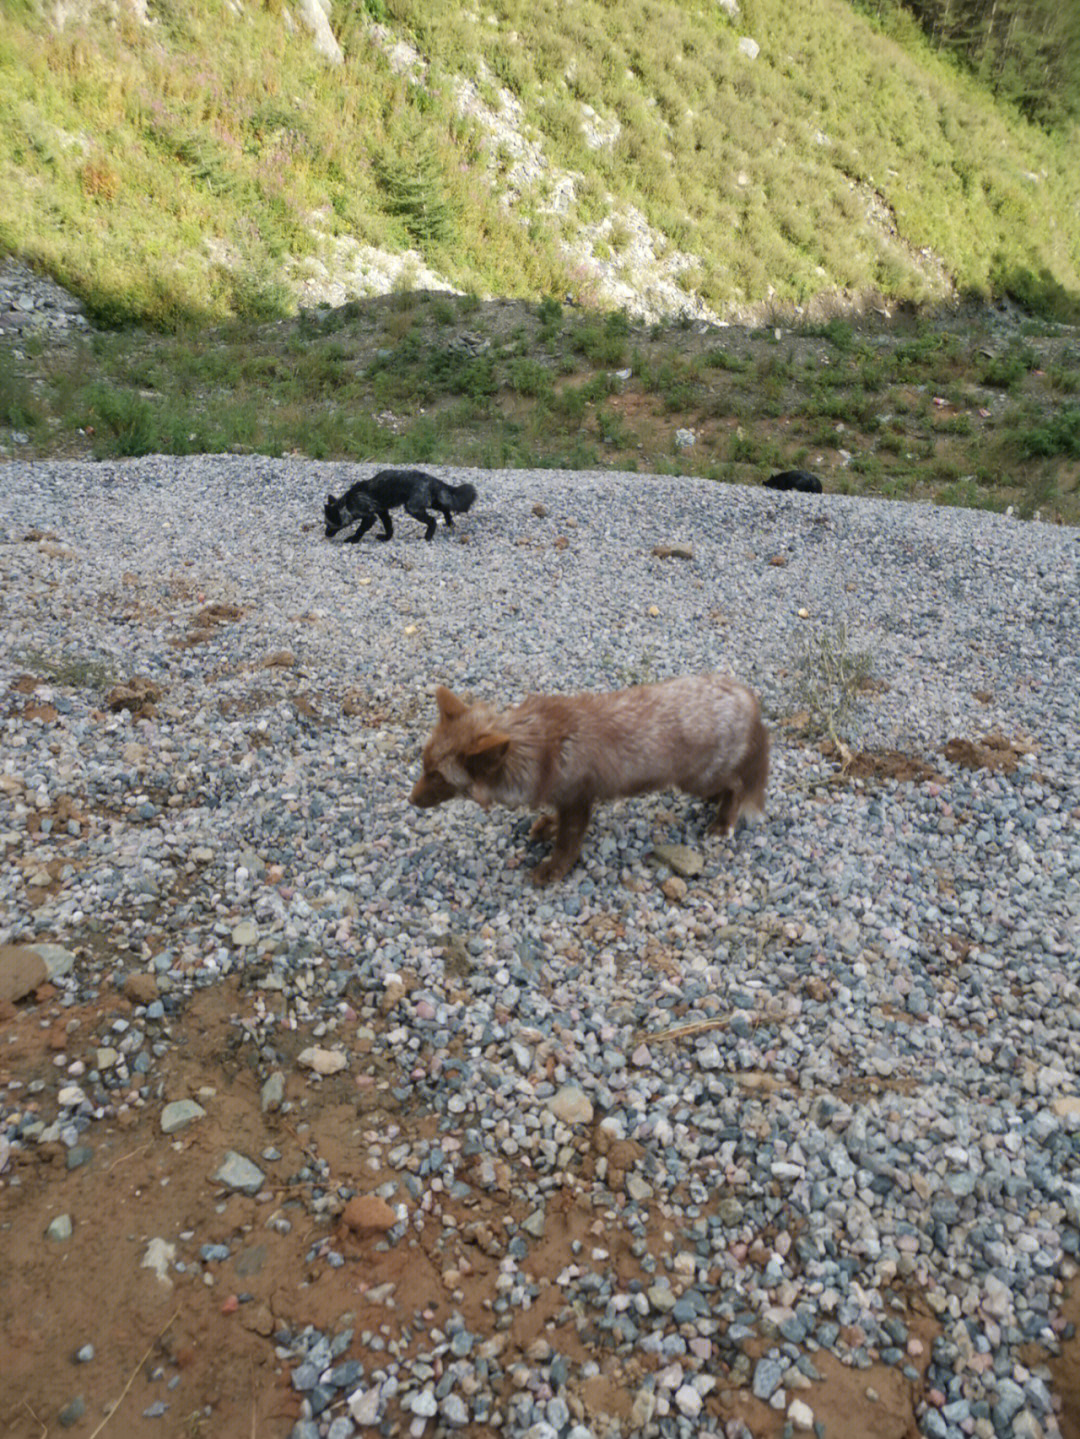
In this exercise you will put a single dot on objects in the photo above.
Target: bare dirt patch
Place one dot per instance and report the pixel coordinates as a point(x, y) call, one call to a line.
point(993, 752)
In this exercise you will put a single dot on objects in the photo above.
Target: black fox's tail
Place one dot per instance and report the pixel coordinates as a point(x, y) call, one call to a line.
point(459, 498)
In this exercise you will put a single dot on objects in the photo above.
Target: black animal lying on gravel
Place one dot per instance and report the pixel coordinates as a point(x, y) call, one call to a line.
point(371, 500)
point(795, 480)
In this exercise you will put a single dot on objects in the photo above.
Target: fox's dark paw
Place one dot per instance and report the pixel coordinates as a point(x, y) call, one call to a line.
point(543, 827)
point(550, 871)
point(383, 538)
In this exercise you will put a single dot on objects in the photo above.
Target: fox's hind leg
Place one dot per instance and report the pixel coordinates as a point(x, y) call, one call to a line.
point(745, 789)
point(572, 822)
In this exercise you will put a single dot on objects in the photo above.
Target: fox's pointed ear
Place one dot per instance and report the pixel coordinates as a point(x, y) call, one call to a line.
point(486, 753)
point(330, 499)
point(449, 704)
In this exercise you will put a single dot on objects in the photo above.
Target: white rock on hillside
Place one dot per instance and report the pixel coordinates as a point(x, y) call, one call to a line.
point(316, 16)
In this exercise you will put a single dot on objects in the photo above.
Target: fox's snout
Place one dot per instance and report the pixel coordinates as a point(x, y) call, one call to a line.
point(431, 789)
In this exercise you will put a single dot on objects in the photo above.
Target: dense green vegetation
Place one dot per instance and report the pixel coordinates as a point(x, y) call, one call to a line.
point(191, 168)
point(1026, 51)
point(960, 410)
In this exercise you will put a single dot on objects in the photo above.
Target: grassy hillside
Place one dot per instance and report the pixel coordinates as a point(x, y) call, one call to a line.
point(210, 164)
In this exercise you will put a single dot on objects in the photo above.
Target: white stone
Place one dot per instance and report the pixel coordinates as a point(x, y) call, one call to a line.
point(572, 1105)
point(998, 1297)
point(159, 1255)
point(688, 1401)
point(364, 1406)
point(424, 1405)
point(801, 1416)
point(323, 1061)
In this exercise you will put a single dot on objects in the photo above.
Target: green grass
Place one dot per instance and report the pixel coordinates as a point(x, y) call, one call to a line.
point(69, 668)
point(185, 172)
point(1058, 434)
point(408, 379)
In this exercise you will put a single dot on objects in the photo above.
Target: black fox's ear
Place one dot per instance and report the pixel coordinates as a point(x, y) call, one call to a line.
point(330, 500)
point(486, 754)
point(449, 704)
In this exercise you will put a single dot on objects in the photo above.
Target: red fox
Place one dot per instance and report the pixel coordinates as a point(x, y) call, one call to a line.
point(702, 734)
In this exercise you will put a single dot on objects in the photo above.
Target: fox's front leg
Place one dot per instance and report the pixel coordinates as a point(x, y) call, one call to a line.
point(543, 827)
point(726, 812)
point(419, 512)
point(571, 824)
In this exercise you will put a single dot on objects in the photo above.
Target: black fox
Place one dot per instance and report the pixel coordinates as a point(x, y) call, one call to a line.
point(371, 500)
point(795, 480)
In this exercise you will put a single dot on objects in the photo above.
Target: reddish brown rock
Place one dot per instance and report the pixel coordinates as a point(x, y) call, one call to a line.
point(141, 987)
point(21, 971)
point(366, 1216)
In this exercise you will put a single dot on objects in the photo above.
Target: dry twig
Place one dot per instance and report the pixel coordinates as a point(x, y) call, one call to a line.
point(131, 1379)
point(37, 1419)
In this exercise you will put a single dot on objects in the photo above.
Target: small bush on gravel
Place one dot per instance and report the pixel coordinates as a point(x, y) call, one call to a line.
point(70, 669)
point(828, 678)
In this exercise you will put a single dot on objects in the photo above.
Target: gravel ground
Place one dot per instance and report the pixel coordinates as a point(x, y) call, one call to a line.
point(836, 1056)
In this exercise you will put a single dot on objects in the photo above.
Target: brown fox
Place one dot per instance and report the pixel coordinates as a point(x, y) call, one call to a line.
point(702, 734)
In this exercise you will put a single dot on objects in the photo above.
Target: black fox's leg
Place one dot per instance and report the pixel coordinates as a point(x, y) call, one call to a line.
point(419, 512)
point(365, 525)
point(387, 525)
point(447, 517)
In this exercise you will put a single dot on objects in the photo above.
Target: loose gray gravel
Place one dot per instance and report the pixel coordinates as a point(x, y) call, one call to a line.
point(877, 988)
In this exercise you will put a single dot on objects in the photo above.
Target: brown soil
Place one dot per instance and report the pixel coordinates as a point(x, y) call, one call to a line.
point(993, 752)
point(1065, 1368)
point(891, 764)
